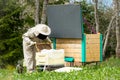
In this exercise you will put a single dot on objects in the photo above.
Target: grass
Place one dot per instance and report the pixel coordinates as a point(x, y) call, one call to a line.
point(107, 70)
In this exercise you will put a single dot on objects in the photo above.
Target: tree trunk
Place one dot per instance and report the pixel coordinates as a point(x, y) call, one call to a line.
point(107, 35)
point(37, 12)
point(43, 17)
point(96, 15)
point(116, 5)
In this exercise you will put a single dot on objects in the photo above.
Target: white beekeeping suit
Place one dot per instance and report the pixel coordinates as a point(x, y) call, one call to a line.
point(34, 35)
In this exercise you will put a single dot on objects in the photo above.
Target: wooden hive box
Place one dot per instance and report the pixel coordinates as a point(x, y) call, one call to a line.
point(92, 47)
point(87, 49)
point(72, 47)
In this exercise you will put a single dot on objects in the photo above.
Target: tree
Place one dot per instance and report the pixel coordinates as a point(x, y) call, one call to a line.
point(11, 26)
point(87, 14)
point(107, 35)
point(96, 15)
point(116, 6)
point(28, 12)
point(37, 12)
point(43, 17)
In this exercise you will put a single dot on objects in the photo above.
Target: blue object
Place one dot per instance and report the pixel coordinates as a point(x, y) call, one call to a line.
point(69, 59)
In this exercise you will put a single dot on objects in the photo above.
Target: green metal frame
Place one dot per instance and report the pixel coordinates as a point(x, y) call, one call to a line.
point(54, 43)
point(101, 48)
point(83, 48)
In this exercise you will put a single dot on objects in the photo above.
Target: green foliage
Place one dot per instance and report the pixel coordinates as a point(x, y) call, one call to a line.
point(88, 14)
point(11, 26)
point(104, 19)
point(112, 44)
point(59, 2)
point(108, 70)
point(105, 16)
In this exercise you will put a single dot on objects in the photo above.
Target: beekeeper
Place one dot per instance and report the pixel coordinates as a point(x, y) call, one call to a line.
point(34, 35)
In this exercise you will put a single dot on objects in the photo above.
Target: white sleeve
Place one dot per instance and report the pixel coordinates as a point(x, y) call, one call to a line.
point(27, 39)
point(50, 42)
point(48, 39)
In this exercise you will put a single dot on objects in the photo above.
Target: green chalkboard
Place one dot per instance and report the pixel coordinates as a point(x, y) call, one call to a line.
point(65, 21)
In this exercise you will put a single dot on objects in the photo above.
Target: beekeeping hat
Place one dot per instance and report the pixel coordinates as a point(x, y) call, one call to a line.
point(42, 29)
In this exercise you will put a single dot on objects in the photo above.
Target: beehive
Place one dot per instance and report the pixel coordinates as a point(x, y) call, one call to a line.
point(92, 47)
point(87, 49)
point(50, 57)
point(72, 47)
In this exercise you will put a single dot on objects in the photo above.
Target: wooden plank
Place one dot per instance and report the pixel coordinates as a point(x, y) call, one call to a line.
point(92, 36)
point(92, 58)
point(73, 54)
point(69, 55)
point(77, 59)
point(70, 40)
point(89, 53)
point(77, 55)
point(96, 51)
point(97, 58)
point(93, 46)
point(92, 51)
point(96, 55)
point(93, 41)
point(65, 46)
point(72, 50)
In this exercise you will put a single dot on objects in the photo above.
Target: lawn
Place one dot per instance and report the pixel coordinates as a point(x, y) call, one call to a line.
point(107, 70)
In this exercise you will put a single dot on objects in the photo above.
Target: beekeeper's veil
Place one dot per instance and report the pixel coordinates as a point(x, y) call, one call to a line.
point(42, 29)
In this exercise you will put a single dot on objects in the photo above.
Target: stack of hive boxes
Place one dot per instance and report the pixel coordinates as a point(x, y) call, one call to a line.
point(50, 57)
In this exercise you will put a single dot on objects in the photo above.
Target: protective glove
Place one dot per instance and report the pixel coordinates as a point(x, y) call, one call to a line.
point(32, 43)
